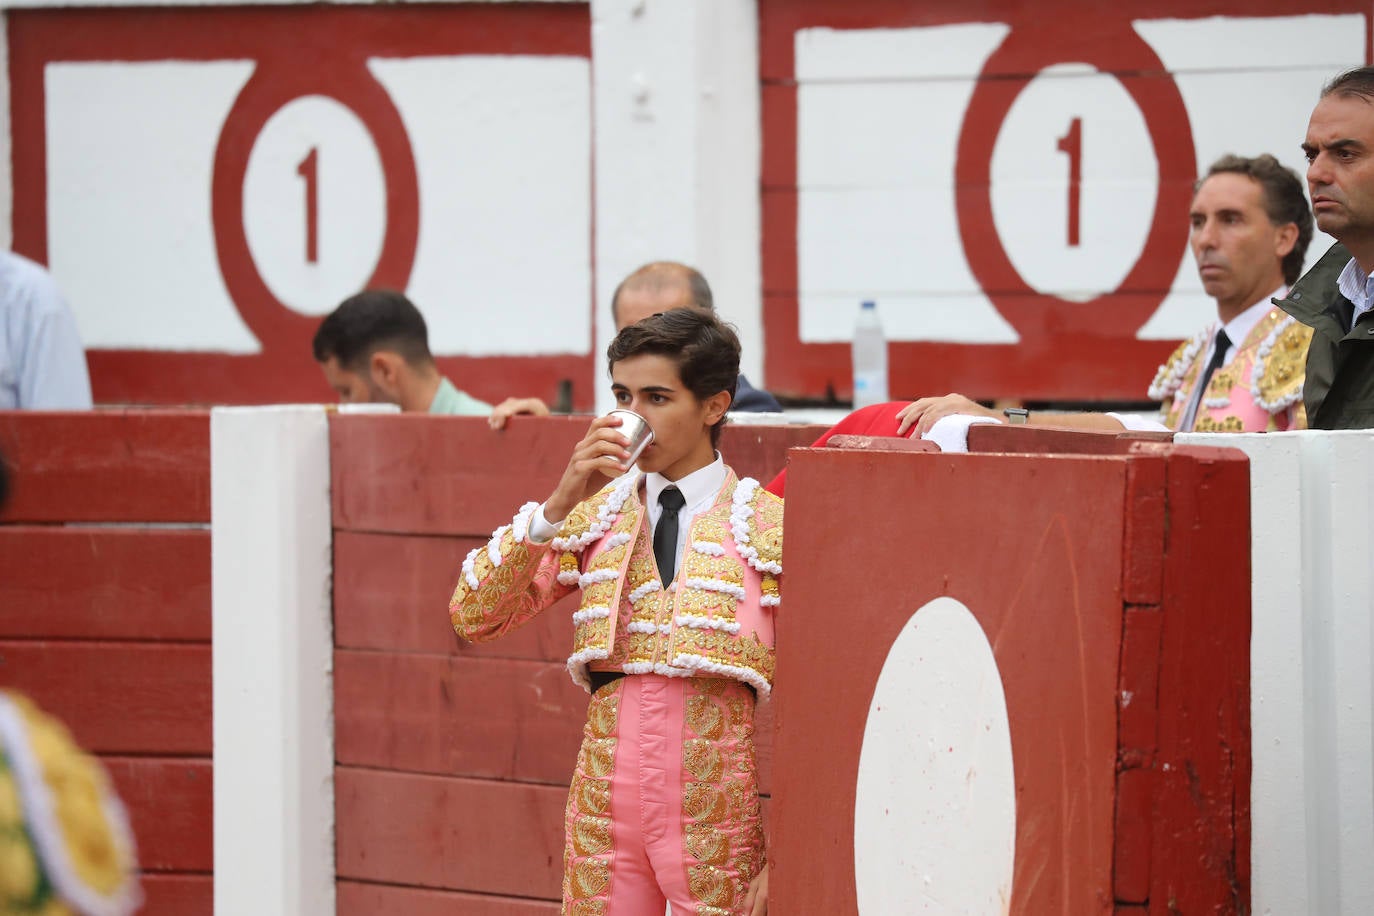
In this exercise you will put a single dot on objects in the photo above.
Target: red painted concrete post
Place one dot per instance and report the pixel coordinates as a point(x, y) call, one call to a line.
point(1113, 593)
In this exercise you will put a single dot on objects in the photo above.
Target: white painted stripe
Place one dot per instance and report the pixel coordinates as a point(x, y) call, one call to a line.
point(272, 652)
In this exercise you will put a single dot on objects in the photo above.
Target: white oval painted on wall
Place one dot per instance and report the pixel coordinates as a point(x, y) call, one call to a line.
point(935, 804)
point(314, 204)
point(1072, 118)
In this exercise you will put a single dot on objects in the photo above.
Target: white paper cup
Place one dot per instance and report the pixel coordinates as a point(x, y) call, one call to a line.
point(636, 429)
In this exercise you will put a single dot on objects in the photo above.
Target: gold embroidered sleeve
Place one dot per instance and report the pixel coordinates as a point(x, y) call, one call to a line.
point(767, 522)
point(1280, 377)
point(1170, 376)
point(1297, 416)
point(82, 818)
point(507, 582)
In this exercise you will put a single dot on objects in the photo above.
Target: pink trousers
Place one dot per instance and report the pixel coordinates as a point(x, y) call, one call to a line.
point(664, 803)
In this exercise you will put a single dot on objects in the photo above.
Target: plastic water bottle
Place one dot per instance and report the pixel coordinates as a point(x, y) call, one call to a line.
point(869, 353)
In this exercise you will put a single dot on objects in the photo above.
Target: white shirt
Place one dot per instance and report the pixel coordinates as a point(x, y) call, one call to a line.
point(699, 488)
point(1358, 287)
point(1237, 329)
point(42, 363)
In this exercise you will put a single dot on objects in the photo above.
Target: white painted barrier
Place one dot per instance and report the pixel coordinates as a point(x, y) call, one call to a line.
point(1312, 669)
point(677, 131)
point(272, 659)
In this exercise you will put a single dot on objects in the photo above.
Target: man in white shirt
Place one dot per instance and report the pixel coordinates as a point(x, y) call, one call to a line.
point(680, 565)
point(42, 363)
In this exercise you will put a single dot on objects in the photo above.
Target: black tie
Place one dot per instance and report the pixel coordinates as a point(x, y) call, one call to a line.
point(665, 533)
point(1223, 343)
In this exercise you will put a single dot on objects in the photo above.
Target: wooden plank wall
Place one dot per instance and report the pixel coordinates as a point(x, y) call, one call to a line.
point(105, 616)
point(454, 759)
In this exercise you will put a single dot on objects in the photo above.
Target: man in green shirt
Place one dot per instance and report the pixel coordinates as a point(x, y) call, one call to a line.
point(374, 348)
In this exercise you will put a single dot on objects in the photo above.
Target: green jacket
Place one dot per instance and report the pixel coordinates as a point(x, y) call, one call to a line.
point(1339, 391)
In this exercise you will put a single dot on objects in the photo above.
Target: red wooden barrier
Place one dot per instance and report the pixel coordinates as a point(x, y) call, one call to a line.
point(107, 466)
point(1113, 590)
point(453, 759)
point(108, 627)
point(116, 583)
point(354, 897)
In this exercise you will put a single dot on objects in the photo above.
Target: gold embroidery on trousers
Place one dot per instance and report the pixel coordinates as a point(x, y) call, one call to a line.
point(591, 835)
point(600, 756)
point(589, 846)
point(590, 877)
point(741, 716)
point(702, 760)
point(601, 715)
point(705, 803)
point(723, 830)
point(711, 885)
point(707, 844)
point(704, 717)
point(593, 796)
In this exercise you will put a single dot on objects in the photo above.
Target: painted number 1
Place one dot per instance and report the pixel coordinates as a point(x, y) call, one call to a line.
point(1070, 144)
point(308, 169)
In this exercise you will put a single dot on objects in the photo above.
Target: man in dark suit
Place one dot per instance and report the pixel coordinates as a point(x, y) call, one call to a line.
point(656, 287)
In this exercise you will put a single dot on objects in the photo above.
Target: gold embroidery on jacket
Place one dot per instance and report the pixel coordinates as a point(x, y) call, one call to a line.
point(727, 569)
point(713, 528)
point(1206, 424)
point(708, 603)
point(666, 626)
point(1220, 385)
point(1285, 366)
point(767, 535)
point(724, 649)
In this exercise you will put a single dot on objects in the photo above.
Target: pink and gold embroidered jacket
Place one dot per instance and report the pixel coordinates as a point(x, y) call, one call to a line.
point(716, 619)
point(1260, 390)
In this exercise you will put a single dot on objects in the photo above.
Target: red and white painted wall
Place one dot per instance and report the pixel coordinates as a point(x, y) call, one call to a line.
point(1013, 183)
point(1010, 184)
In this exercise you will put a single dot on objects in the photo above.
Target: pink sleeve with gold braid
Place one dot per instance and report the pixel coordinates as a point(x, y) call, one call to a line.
point(508, 581)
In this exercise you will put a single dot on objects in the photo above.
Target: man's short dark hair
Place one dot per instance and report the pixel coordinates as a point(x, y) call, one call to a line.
point(660, 275)
point(1284, 201)
point(705, 349)
point(1357, 83)
point(375, 319)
